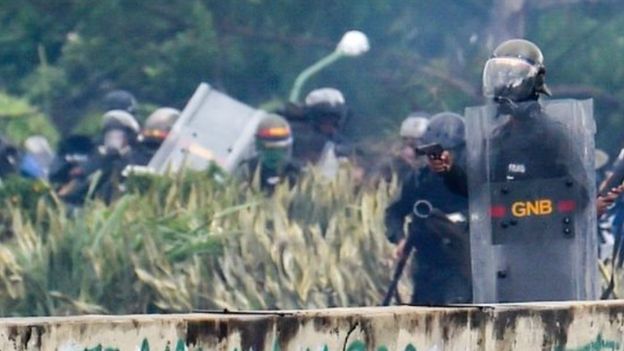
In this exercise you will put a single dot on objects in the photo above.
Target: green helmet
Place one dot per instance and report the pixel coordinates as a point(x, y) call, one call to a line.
point(274, 132)
point(273, 141)
point(515, 72)
point(159, 123)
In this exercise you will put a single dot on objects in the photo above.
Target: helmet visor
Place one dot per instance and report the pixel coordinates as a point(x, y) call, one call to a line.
point(274, 144)
point(503, 75)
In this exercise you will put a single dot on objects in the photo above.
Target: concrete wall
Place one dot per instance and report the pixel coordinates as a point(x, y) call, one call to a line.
point(561, 326)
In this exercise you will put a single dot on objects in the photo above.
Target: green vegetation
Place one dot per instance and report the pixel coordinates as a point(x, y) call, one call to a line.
point(192, 242)
point(19, 120)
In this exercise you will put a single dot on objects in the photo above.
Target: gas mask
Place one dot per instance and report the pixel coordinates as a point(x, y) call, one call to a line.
point(115, 141)
point(274, 155)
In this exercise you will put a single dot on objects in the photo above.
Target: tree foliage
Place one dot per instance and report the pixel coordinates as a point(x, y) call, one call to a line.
point(426, 55)
point(20, 120)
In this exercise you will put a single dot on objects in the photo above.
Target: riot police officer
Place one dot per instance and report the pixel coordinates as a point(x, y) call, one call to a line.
point(154, 132)
point(108, 160)
point(438, 228)
point(73, 153)
point(318, 125)
point(273, 163)
point(520, 157)
point(527, 145)
point(514, 78)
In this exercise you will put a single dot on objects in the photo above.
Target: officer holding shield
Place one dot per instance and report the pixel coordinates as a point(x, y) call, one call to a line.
point(514, 79)
point(533, 233)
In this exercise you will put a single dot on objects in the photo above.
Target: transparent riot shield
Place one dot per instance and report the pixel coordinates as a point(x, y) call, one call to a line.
point(532, 190)
point(213, 127)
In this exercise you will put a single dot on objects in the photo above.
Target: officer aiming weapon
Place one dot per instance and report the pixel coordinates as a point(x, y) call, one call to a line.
point(433, 150)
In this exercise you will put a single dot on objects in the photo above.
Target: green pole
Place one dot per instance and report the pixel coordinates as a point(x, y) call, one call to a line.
point(310, 71)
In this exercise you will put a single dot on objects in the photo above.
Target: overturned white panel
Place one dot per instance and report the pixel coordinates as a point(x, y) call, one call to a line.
point(213, 127)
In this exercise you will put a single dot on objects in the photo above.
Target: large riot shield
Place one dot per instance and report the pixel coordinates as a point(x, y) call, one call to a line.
point(532, 190)
point(213, 127)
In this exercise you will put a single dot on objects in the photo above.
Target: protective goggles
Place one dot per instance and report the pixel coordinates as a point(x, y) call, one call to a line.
point(155, 134)
point(272, 133)
point(275, 144)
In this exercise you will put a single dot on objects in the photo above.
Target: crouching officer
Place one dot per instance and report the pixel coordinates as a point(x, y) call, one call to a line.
point(273, 163)
point(533, 230)
point(438, 230)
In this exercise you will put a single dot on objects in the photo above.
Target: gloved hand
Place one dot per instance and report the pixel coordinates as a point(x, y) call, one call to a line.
point(603, 202)
point(442, 164)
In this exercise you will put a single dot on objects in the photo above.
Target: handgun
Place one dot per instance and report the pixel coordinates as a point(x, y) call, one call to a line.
point(433, 151)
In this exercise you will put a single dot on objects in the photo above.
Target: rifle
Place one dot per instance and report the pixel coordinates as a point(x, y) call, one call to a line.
point(422, 210)
point(398, 271)
point(433, 222)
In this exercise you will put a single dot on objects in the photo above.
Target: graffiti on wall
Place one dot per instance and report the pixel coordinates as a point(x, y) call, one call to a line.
point(181, 346)
point(599, 344)
point(353, 346)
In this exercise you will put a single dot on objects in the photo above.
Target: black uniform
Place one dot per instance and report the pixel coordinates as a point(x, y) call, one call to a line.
point(9, 158)
point(441, 272)
point(396, 165)
point(143, 153)
point(530, 147)
point(110, 164)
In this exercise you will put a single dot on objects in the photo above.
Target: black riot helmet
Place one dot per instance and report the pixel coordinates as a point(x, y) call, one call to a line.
point(327, 110)
point(118, 119)
point(447, 129)
point(120, 100)
point(515, 72)
point(159, 124)
point(119, 130)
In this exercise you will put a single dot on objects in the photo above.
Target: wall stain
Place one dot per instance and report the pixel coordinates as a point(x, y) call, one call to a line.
point(556, 324)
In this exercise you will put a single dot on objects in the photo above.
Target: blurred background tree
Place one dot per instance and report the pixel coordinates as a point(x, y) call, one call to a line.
point(64, 55)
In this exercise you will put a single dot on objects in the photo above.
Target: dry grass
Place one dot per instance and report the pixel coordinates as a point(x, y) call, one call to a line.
point(190, 242)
